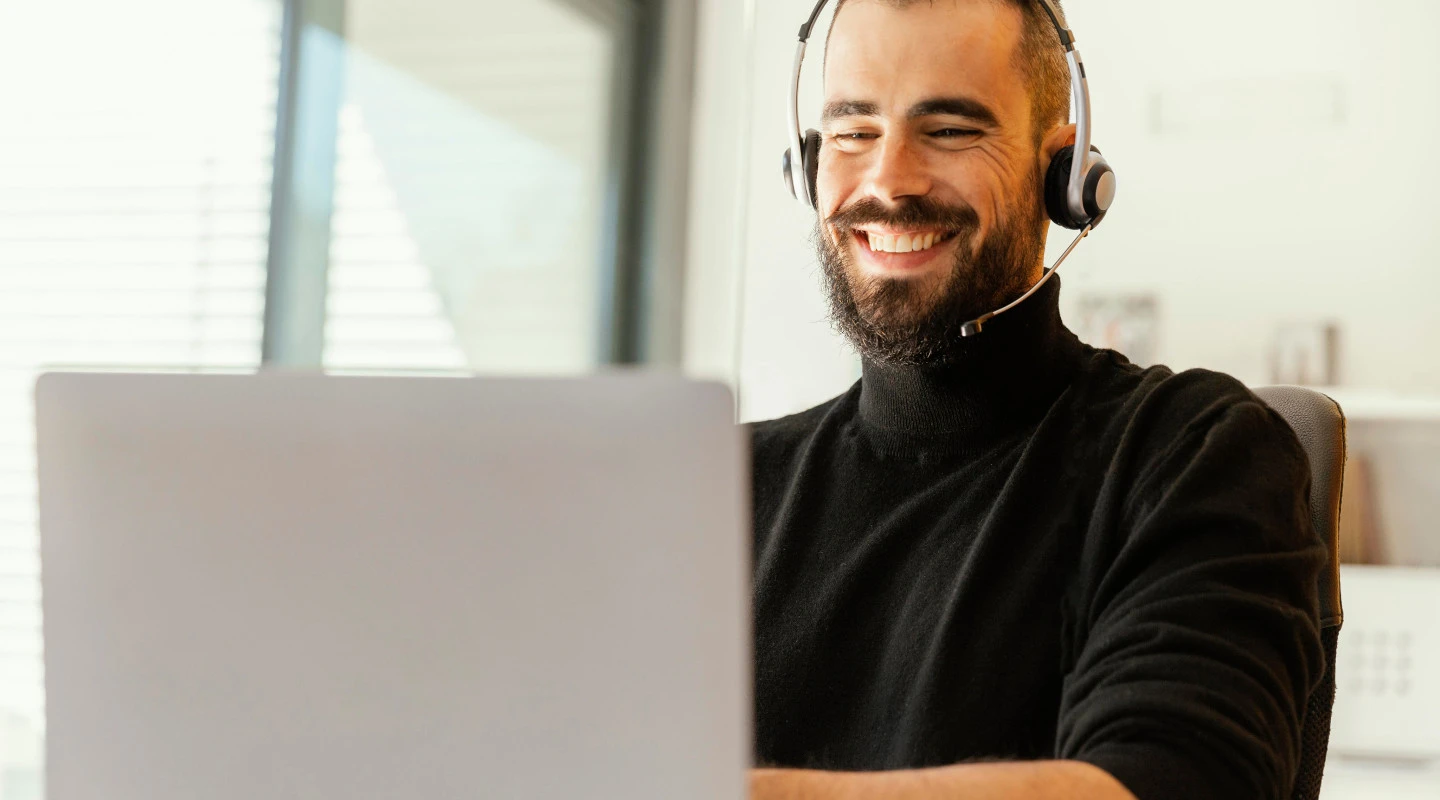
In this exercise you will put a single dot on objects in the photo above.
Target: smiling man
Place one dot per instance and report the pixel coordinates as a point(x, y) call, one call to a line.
point(1009, 565)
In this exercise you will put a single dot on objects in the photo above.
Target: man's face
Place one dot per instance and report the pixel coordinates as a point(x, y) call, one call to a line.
point(929, 181)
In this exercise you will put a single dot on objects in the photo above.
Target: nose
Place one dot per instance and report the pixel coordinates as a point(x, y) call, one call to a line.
point(899, 172)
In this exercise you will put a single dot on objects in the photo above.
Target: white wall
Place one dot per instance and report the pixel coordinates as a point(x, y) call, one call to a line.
point(717, 193)
point(1276, 162)
point(777, 344)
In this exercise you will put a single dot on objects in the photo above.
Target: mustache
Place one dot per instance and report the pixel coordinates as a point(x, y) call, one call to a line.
point(914, 212)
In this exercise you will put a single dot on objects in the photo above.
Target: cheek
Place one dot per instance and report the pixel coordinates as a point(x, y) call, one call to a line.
point(977, 183)
point(835, 182)
point(1005, 186)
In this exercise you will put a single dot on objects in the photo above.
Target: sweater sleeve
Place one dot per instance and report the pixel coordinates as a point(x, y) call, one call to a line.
point(1200, 640)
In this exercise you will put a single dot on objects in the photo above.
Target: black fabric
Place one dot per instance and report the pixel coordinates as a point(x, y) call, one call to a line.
point(1041, 551)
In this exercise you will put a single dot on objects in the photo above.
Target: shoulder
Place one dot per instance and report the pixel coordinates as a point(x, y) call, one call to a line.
point(784, 433)
point(1159, 429)
point(777, 443)
point(1156, 405)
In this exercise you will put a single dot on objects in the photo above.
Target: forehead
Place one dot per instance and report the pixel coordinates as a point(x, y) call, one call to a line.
point(930, 48)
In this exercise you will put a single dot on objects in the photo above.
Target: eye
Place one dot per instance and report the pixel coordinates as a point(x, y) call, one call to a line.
point(852, 141)
point(954, 133)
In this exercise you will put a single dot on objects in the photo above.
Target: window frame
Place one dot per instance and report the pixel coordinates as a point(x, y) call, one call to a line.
point(645, 191)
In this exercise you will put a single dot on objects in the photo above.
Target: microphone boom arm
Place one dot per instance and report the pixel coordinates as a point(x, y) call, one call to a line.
point(974, 326)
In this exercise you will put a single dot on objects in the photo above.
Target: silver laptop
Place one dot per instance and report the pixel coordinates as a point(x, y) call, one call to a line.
point(295, 586)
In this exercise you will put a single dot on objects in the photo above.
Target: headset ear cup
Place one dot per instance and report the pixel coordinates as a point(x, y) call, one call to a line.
point(1099, 188)
point(812, 164)
point(1057, 187)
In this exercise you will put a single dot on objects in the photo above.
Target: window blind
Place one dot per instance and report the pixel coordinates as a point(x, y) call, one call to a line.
point(383, 309)
point(135, 166)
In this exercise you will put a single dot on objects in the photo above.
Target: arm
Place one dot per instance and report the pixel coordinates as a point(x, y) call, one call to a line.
point(1199, 629)
point(1038, 780)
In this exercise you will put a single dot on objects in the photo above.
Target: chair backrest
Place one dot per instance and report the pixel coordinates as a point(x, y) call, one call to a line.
point(1320, 425)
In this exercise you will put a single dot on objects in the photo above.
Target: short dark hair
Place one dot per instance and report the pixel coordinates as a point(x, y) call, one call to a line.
point(1039, 56)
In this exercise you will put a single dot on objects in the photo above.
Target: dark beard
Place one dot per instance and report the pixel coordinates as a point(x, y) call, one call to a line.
point(917, 323)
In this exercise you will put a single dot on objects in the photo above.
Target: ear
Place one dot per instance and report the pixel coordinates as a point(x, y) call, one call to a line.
point(1059, 138)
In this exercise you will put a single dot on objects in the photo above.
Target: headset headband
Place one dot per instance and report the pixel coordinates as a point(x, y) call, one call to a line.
point(1079, 90)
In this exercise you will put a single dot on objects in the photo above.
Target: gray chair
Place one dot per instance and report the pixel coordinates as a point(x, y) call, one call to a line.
point(1320, 425)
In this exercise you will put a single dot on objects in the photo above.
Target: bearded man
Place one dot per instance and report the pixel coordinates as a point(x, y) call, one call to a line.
point(1009, 565)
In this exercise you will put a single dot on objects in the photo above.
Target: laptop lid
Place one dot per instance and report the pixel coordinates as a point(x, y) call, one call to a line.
point(298, 586)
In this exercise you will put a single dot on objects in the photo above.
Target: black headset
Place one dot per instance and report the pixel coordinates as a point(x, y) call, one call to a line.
point(1079, 184)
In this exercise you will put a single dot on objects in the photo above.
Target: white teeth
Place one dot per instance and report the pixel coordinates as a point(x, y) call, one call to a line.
point(904, 243)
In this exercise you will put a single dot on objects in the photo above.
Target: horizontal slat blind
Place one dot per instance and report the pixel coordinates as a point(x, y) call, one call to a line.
point(383, 310)
point(135, 162)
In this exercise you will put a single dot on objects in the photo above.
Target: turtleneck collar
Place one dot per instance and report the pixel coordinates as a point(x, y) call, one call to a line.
point(1003, 378)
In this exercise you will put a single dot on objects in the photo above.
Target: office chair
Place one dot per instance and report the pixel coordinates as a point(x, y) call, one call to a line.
point(1320, 425)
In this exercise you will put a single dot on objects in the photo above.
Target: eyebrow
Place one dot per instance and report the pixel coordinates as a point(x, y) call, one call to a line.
point(967, 107)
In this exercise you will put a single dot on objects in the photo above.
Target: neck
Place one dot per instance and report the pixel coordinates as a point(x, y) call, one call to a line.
point(993, 382)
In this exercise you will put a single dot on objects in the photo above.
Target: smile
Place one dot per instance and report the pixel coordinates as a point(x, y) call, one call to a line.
point(904, 254)
point(910, 242)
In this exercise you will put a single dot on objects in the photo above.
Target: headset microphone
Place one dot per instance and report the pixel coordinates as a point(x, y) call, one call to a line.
point(1079, 184)
point(974, 326)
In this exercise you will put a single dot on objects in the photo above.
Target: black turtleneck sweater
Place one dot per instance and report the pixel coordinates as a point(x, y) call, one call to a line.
point(1040, 551)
